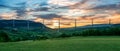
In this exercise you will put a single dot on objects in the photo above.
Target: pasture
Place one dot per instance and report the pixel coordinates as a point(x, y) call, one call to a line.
point(90, 43)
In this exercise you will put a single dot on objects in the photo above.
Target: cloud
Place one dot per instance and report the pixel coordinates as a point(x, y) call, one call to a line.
point(41, 9)
point(61, 2)
point(107, 7)
point(81, 5)
point(64, 8)
point(48, 16)
point(10, 15)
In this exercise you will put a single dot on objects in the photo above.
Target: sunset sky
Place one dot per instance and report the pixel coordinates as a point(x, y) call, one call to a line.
point(66, 10)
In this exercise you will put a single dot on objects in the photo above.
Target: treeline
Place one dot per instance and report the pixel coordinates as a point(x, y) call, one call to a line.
point(11, 35)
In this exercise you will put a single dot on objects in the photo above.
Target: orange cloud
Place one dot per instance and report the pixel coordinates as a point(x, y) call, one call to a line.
point(8, 16)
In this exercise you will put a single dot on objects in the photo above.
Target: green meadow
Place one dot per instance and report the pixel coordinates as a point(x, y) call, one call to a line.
point(88, 43)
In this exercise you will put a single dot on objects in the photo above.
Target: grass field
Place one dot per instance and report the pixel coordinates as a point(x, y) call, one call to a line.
point(103, 43)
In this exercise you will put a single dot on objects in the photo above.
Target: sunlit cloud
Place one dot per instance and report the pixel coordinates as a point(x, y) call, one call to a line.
point(62, 2)
point(10, 15)
point(66, 10)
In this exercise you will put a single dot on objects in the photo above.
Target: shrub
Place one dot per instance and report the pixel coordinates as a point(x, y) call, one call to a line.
point(4, 36)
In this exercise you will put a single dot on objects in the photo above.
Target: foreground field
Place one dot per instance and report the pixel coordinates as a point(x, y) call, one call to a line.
point(68, 44)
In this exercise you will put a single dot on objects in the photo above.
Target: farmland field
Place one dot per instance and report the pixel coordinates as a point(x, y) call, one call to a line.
point(90, 43)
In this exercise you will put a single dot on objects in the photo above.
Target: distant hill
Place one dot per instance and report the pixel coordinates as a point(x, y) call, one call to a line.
point(95, 26)
point(20, 24)
point(100, 26)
